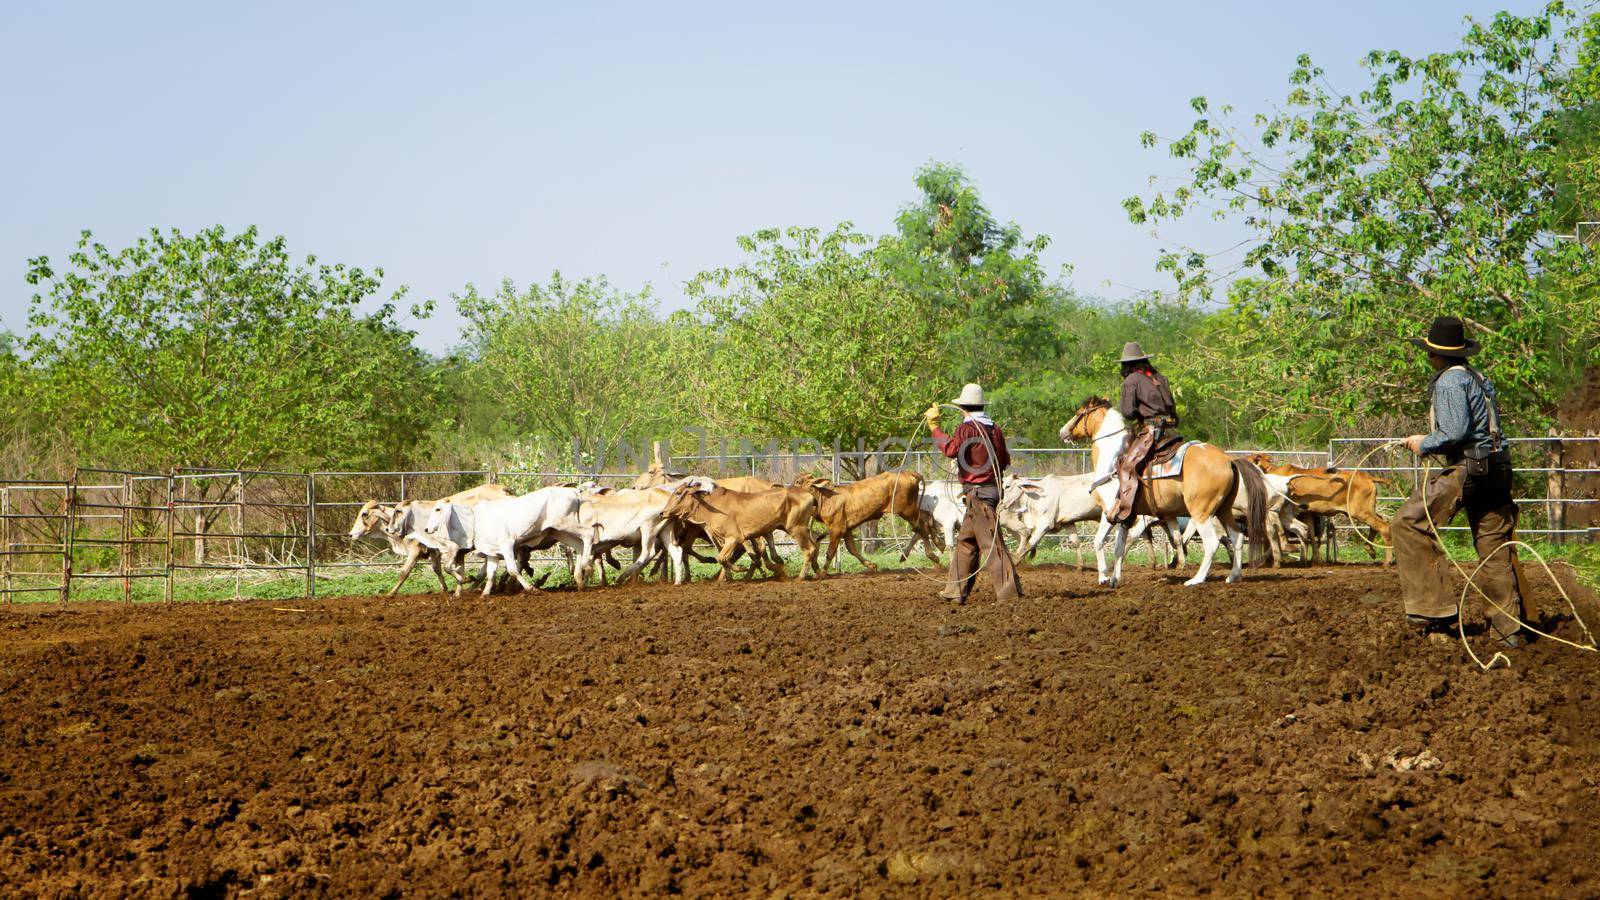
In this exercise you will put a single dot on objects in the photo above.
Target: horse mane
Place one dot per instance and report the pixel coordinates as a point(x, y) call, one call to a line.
point(1095, 401)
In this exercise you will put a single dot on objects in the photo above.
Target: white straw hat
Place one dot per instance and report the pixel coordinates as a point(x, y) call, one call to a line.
point(971, 395)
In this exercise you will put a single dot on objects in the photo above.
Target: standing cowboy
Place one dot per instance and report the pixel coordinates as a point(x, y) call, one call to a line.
point(1465, 418)
point(1151, 415)
point(979, 537)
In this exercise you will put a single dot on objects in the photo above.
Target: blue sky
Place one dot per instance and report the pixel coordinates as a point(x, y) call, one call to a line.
point(451, 143)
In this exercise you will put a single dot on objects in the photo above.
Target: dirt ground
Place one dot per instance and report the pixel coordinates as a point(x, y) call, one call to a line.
point(852, 737)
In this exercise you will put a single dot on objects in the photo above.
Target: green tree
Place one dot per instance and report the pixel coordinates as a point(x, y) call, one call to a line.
point(573, 362)
point(219, 350)
point(981, 280)
point(812, 337)
point(1433, 191)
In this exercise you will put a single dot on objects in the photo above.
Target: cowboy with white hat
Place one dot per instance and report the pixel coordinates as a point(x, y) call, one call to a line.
point(979, 539)
point(1152, 416)
point(1465, 417)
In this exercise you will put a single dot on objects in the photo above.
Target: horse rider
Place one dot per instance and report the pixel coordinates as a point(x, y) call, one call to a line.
point(979, 537)
point(1151, 415)
point(1465, 417)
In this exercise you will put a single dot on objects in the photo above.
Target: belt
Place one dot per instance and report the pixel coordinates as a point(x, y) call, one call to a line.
point(1456, 457)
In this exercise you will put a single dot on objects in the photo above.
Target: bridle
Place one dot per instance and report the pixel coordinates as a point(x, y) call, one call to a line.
point(1093, 438)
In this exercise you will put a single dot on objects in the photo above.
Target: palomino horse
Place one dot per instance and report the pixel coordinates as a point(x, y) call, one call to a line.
point(1206, 487)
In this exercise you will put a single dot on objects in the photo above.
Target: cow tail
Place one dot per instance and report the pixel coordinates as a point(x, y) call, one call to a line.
point(1255, 489)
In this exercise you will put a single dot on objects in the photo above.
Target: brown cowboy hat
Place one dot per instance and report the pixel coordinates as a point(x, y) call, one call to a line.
point(1448, 337)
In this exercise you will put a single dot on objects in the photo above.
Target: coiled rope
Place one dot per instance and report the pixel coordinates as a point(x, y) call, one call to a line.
point(1472, 585)
point(996, 539)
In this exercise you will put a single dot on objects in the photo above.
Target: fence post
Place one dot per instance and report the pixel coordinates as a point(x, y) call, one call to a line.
point(1331, 552)
point(172, 515)
point(5, 539)
point(311, 537)
point(1559, 494)
point(68, 514)
point(127, 540)
point(238, 542)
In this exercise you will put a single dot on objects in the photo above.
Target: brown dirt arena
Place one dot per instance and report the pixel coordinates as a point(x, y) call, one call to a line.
point(852, 737)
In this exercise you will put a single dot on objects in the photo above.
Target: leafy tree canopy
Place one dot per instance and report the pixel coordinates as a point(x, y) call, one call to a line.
point(1434, 190)
point(217, 349)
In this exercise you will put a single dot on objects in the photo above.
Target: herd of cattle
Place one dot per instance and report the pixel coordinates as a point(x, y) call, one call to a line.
point(662, 518)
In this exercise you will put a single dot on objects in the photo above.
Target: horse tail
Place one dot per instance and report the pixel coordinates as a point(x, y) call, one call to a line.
point(1255, 490)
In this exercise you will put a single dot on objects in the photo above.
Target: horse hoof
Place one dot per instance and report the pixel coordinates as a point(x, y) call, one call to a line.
point(1193, 582)
point(1234, 579)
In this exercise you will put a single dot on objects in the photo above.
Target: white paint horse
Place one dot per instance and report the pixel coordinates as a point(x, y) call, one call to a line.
point(1204, 491)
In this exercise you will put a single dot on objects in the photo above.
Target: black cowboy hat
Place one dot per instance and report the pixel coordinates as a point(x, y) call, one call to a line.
point(1447, 337)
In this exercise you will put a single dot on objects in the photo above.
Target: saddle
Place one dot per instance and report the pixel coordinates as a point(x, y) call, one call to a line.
point(1164, 450)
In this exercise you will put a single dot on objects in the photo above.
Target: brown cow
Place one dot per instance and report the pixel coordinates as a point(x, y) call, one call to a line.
point(736, 519)
point(747, 483)
point(1329, 492)
point(687, 533)
point(844, 508)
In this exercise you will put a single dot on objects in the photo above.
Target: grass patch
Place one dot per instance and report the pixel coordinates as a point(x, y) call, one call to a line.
point(191, 587)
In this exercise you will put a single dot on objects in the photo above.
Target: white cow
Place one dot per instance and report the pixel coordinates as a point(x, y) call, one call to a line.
point(396, 521)
point(1032, 508)
point(632, 518)
point(496, 529)
point(942, 504)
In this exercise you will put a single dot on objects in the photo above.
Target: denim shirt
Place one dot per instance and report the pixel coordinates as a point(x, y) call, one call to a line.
point(1461, 412)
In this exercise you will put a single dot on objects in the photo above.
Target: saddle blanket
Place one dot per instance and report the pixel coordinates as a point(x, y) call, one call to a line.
point(1173, 467)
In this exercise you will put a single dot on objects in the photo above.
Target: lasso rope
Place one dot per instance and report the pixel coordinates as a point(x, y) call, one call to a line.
point(911, 538)
point(1472, 584)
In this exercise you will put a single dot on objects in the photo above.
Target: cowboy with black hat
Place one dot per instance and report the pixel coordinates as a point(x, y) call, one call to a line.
point(1151, 416)
point(980, 472)
point(1465, 418)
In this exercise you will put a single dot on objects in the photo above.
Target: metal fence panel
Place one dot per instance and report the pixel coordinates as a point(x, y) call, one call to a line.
point(128, 526)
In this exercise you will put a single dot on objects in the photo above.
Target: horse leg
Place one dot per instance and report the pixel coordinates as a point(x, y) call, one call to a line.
point(1174, 544)
point(1141, 528)
point(1100, 534)
point(1210, 539)
point(1236, 538)
point(1118, 554)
